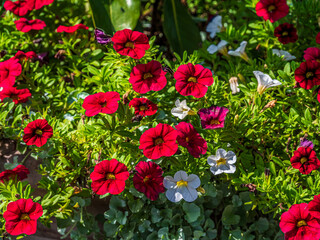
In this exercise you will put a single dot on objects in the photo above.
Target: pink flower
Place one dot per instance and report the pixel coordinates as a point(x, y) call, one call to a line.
point(25, 25)
point(314, 207)
point(19, 8)
point(17, 95)
point(213, 117)
point(9, 70)
point(312, 53)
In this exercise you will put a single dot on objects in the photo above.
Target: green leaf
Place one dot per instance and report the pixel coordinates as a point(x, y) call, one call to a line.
point(135, 205)
point(110, 229)
point(125, 13)
point(101, 16)
point(229, 217)
point(179, 28)
point(192, 212)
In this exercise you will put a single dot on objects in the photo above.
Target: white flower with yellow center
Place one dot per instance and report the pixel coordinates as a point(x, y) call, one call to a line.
point(181, 110)
point(222, 162)
point(182, 186)
point(240, 51)
point(214, 26)
point(221, 48)
point(286, 55)
point(265, 81)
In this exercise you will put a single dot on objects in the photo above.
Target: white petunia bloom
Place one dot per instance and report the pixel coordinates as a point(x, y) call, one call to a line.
point(265, 81)
point(286, 55)
point(181, 110)
point(240, 51)
point(221, 47)
point(222, 162)
point(234, 85)
point(182, 186)
point(214, 26)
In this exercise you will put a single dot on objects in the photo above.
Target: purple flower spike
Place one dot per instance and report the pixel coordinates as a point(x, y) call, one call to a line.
point(213, 117)
point(102, 37)
point(306, 143)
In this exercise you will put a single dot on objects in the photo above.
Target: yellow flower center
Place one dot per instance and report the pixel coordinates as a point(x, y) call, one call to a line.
point(285, 34)
point(187, 139)
point(215, 121)
point(158, 141)
point(110, 176)
point(221, 161)
point(182, 183)
point(192, 79)
point(302, 223)
point(309, 75)
point(147, 75)
point(271, 8)
point(15, 97)
point(129, 45)
point(39, 132)
point(24, 216)
point(142, 108)
point(146, 179)
point(303, 160)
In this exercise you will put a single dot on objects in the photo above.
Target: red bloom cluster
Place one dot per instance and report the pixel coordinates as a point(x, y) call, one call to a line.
point(130, 43)
point(17, 95)
point(109, 177)
point(143, 106)
point(312, 53)
point(286, 33)
point(308, 74)
point(318, 38)
point(23, 7)
point(20, 55)
point(148, 77)
point(71, 29)
point(20, 172)
point(272, 9)
point(305, 159)
point(37, 133)
point(25, 25)
point(21, 217)
point(9, 70)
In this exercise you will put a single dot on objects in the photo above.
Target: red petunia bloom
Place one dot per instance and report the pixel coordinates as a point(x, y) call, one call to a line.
point(272, 9)
point(21, 217)
point(37, 132)
point(149, 179)
point(37, 4)
point(17, 95)
point(101, 103)
point(312, 53)
point(298, 224)
point(318, 96)
point(193, 80)
point(314, 207)
point(308, 74)
point(20, 55)
point(109, 177)
point(286, 33)
point(189, 138)
point(305, 159)
point(19, 8)
point(20, 172)
point(318, 38)
point(148, 77)
point(130, 43)
point(143, 106)
point(159, 141)
point(213, 117)
point(71, 29)
point(25, 25)
point(9, 70)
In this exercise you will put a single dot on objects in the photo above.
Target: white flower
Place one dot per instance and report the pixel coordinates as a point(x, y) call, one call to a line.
point(240, 51)
point(286, 55)
point(181, 110)
point(182, 186)
point(221, 47)
point(222, 162)
point(214, 26)
point(265, 81)
point(234, 85)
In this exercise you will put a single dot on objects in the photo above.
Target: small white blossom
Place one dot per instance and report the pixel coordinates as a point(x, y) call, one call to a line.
point(222, 162)
point(182, 186)
point(234, 85)
point(181, 110)
point(214, 26)
point(240, 51)
point(286, 55)
point(221, 47)
point(265, 81)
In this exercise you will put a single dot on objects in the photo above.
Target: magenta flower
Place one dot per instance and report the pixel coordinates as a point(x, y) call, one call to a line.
point(213, 117)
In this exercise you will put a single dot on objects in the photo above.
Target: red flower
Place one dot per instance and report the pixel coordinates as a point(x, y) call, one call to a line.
point(72, 28)
point(318, 38)
point(308, 74)
point(109, 177)
point(213, 117)
point(130, 43)
point(189, 138)
point(193, 80)
point(143, 106)
point(148, 77)
point(149, 179)
point(20, 55)
point(37, 132)
point(20, 172)
point(298, 224)
point(305, 160)
point(159, 141)
point(312, 53)
point(314, 207)
point(272, 9)
point(9, 70)
point(19, 8)
point(21, 217)
point(37, 4)
point(17, 95)
point(25, 25)
point(101, 103)
point(286, 33)
point(318, 96)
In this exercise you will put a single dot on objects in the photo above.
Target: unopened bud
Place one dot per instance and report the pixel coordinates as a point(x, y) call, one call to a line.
point(234, 85)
